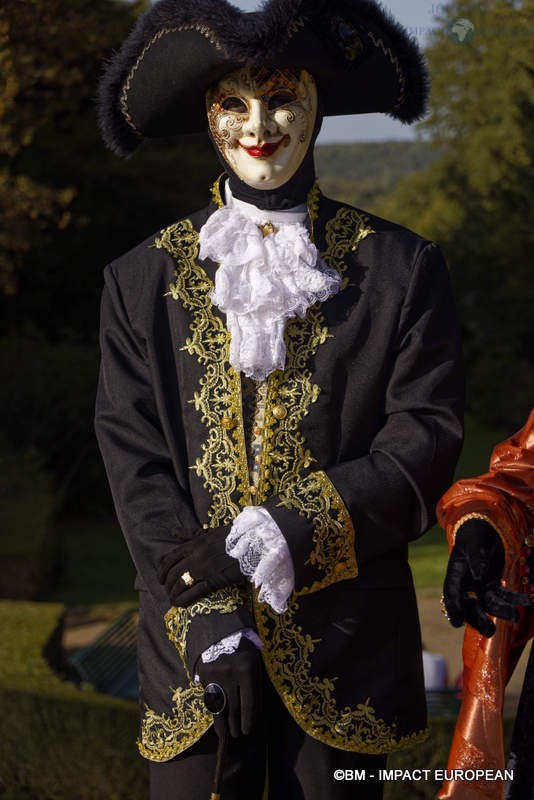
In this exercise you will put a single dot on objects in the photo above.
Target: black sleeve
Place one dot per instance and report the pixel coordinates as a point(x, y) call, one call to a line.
point(388, 496)
point(153, 509)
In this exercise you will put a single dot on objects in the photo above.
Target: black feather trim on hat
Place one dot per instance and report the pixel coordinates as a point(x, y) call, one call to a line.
point(224, 19)
point(411, 59)
point(362, 59)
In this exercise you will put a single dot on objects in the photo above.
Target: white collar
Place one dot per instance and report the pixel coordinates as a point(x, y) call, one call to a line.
point(292, 215)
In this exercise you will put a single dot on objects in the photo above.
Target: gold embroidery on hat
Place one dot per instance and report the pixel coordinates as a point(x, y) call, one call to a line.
point(123, 99)
point(396, 64)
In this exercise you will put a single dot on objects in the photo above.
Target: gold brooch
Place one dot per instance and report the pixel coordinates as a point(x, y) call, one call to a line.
point(267, 228)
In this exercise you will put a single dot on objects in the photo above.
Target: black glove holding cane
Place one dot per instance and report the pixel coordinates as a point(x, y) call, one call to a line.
point(472, 587)
point(239, 675)
point(233, 695)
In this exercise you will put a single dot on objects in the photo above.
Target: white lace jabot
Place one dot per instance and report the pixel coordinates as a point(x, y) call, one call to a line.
point(263, 280)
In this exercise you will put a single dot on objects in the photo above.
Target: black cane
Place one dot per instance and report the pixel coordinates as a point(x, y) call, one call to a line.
point(215, 702)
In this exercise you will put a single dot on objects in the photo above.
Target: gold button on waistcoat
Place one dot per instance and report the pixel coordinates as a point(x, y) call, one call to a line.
point(228, 423)
point(253, 490)
point(280, 412)
point(257, 430)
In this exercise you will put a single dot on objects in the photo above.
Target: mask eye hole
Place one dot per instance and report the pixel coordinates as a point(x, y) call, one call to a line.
point(279, 99)
point(234, 104)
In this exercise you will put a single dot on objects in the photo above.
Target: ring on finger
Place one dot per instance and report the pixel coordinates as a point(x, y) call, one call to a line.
point(187, 578)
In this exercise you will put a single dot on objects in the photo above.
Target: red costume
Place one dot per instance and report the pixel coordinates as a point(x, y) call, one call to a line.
point(504, 497)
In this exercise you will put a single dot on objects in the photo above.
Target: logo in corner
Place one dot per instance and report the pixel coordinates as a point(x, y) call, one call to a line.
point(461, 31)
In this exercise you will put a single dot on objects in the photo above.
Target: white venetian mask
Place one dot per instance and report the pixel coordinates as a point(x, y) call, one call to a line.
point(262, 121)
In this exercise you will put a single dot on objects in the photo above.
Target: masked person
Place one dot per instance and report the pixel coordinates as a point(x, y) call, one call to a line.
point(490, 585)
point(278, 408)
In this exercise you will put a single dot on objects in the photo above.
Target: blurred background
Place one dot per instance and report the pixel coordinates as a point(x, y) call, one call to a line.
point(463, 177)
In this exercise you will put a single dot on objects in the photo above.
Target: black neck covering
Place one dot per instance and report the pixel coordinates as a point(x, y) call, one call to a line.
point(292, 193)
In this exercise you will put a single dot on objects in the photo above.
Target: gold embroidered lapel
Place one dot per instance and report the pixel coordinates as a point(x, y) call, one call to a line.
point(223, 466)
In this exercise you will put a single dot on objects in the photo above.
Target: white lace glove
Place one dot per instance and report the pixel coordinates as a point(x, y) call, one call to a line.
point(257, 542)
point(259, 545)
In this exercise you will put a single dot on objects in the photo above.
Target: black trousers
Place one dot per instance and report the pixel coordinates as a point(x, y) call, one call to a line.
point(294, 765)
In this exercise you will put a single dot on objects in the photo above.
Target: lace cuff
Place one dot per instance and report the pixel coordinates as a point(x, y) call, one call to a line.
point(229, 645)
point(263, 554)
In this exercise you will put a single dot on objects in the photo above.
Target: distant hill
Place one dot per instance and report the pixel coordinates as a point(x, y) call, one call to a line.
point(366, 173)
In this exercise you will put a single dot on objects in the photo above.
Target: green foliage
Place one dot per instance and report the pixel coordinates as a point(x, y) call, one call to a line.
point(28, 545)
point(47, 401)
point(69, 207)
point(477, 200)
point(58, 742)
point(46, 59)
point(365, 174)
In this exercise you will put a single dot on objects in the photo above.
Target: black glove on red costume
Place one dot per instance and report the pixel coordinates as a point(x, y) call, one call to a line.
point(204, 558)
point(240, 676)
point(472, 587)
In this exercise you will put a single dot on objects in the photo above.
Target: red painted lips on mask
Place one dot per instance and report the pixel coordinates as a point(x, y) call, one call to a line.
point(265, 150)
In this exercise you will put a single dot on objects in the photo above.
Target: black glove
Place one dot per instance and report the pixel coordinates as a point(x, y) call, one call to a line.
point(204, 558)
point(240, 676)
point(472, 587)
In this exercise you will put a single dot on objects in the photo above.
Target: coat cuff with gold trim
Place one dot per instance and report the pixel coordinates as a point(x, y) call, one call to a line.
point(319, 531)
point(194, 629)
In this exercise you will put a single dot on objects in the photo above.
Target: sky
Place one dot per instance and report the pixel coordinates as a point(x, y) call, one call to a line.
point(417, 16)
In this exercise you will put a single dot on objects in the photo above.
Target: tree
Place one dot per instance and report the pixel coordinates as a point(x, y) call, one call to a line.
point(478, 199)
point(50, 52)
point(68, 207)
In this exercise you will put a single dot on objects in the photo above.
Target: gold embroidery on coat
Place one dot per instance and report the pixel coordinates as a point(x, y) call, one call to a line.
point(344, 234)
point(309, 699)
point(286, 456)
point(164, 736)
point(316, 498)
point(178, 619)
point(223, 465)
point(216, 192)
point(286, 459)
point(287, 649)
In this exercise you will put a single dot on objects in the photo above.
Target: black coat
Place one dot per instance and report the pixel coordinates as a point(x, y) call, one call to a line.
point(362, 433)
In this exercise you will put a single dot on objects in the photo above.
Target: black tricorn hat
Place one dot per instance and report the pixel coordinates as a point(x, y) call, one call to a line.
point(362, 59)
